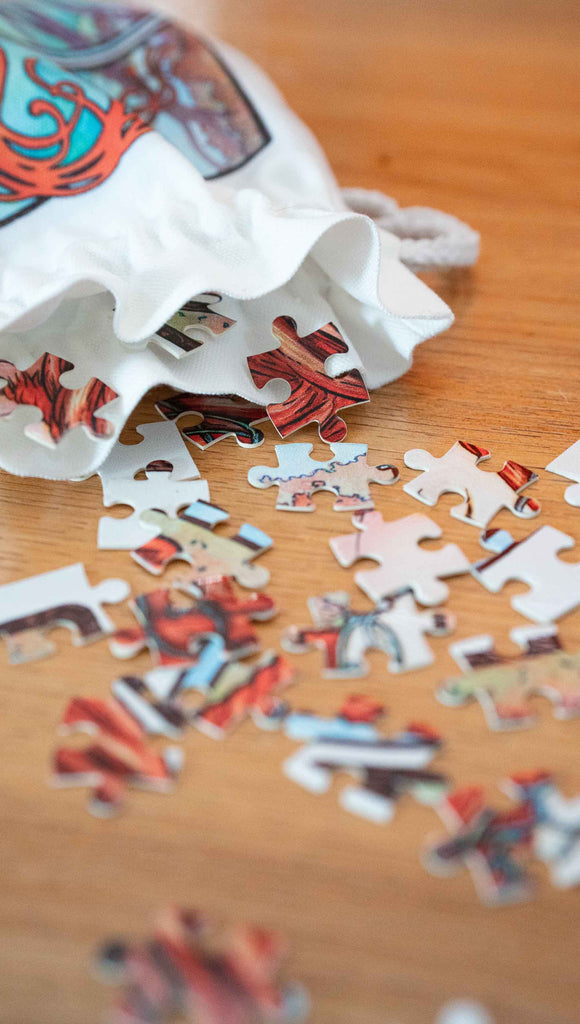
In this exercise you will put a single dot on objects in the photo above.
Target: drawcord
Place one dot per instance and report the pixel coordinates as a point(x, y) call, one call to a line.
point(429, 238)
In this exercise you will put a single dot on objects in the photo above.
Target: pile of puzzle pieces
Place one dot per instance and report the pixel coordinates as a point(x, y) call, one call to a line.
point(208, 670)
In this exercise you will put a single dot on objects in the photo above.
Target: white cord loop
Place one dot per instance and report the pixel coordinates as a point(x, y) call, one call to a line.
point(429, 238)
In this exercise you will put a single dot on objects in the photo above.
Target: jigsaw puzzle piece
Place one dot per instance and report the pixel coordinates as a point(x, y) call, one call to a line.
point(62, 409)
point(556, 837)
point(485, 494)
point(162, 450)
point(183, 972)
point(314, 395)
point(494, 845)
point(298, 477)
point(239, 690)
point(222, 416)
point(196, 314)
point(343, 635)
point(31, 607)
point(118, 758)
point(568, 464)
point(385, 768)
point(404, 564)
point(211, 556)
point(356, 720)
point(504, 686)
point(554, 584)
point(156, 492)
point(175, 633)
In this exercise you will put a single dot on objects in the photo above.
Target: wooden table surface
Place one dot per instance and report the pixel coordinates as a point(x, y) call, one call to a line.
point(472, 108)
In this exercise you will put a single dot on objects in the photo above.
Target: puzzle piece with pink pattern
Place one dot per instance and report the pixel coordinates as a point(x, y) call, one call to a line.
point(62, 408)
point(404, 564)
point(314, 395)
point(184, 971)
point(484, 494)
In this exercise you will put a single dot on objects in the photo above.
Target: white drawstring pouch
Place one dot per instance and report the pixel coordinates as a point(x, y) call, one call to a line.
point(141, 168)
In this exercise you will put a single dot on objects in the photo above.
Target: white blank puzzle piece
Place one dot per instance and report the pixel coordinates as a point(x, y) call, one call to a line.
point(172, 482)
point(156, 492)
point(568, 464)
point(485, 494)
point(29, 608)
point(404, 564)
point(554, 585)
point(161, 450)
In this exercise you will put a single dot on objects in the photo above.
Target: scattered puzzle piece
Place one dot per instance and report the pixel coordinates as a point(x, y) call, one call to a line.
point(556, 836)
point(174, 633)
point(211, 556)
point(298, 477)
point(171, 483)
point(222, 416)
point(497, 846)
point(404, 565)
point(395, 627)
point(197, 314)
point(237, 690)
point(231, 690)
point(485, 494)
point(355, 720)
point(183, 973)
point(162, 450)
point(118, 758)
point(62, 408)
point(31, 607)
point(504, 686)
point(568, 464)
point(554, 584)
point(156, 492)
point(385, 768)
point(314, 396)
point(494, 845)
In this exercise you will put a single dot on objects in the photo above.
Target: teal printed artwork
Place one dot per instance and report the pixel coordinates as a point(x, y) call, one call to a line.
point(58, 138)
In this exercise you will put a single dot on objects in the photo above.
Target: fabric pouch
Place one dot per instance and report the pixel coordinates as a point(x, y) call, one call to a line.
point(160, 207)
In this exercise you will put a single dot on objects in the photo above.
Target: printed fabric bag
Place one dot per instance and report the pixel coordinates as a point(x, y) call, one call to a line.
point(163, 216)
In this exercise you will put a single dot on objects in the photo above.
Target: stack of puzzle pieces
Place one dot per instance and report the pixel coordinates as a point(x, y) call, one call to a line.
point(208, 671)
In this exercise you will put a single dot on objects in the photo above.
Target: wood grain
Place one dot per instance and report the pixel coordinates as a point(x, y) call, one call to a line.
point(468, 107)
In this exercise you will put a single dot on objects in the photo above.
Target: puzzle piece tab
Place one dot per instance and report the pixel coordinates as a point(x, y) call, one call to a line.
point(568, 464)
point(174, 634)
point(395, 627)
point(485, 494)
point(222, 416)
point(183, 973)
point(554, 584)
point(31, 607)
point(298, 477)
point(314, 395)
point(211, 556)
point(197, 314)
point(384, 768)
point(504, 686)
point(117, 759)
point(62, 408)
point(404, 564)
